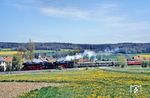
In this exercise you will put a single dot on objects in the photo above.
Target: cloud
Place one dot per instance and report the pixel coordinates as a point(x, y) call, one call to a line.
point(109, 16)
point(65, 12)
point(99, 12)
point(95, 13)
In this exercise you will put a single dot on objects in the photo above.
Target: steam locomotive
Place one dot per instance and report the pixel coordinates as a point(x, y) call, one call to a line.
point(38, 66)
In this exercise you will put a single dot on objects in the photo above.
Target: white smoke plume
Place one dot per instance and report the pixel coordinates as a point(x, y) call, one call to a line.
point(87, 53)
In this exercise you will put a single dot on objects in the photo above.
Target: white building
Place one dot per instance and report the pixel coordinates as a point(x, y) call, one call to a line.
point(3, 64)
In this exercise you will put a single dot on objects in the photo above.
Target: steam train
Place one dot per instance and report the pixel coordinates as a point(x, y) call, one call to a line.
point(72, 64)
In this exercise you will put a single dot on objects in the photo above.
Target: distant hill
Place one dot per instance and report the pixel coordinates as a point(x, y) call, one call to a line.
point(119, 48)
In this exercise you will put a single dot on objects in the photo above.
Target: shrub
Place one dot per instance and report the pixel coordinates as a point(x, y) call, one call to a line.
point(86, 68)
point(146, 63)
point(60, 67)
point(122, 61)
point(1, 68)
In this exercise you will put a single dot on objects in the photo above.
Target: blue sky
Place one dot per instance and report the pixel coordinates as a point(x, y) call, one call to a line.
point(75, 21)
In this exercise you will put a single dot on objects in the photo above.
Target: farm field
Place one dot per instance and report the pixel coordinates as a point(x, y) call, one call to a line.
point(14, 89)
point(8, 52)
point(91, 83)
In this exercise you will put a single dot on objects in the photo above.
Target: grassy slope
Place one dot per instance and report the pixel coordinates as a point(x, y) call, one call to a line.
point(86, 84)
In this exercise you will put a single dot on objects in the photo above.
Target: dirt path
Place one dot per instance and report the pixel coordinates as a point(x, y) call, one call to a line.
point(14, 89)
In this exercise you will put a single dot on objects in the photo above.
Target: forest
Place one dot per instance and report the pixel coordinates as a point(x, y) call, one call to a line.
point(126, 48)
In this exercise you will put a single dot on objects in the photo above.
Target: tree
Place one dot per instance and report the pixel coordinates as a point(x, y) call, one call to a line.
point(22, 53)
point(122, 61)
point(16, 62)
point(30, 49)
point(85, 57)
point(145, 63)
point(93, 58)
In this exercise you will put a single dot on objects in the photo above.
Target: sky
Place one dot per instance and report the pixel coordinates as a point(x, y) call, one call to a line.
point(75, 21)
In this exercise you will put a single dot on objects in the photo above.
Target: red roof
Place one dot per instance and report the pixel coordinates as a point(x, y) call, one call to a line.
point(84, 60)
point(8, 59)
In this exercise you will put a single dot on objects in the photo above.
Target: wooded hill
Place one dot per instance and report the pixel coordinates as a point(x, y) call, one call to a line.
point(119, 48)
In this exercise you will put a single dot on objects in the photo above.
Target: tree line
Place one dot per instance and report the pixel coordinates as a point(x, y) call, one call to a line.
point(118, 48)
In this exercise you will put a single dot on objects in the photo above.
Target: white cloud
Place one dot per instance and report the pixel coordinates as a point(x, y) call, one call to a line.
point(103, 14)
point(65, 12)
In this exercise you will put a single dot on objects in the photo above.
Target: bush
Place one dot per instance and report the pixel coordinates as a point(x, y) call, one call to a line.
point(86, 68)
point(9, 68)
point(122, 61)
point(60, 67)
point(16, 63)
point(1, 68)
point(121, 64)
point(146, 63)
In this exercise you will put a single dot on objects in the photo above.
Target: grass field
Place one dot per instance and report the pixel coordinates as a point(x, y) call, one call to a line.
point(95, 83)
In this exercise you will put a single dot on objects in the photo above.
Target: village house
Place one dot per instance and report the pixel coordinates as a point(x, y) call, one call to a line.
point(5, 63)
point(141, 57)
point(2, 64)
